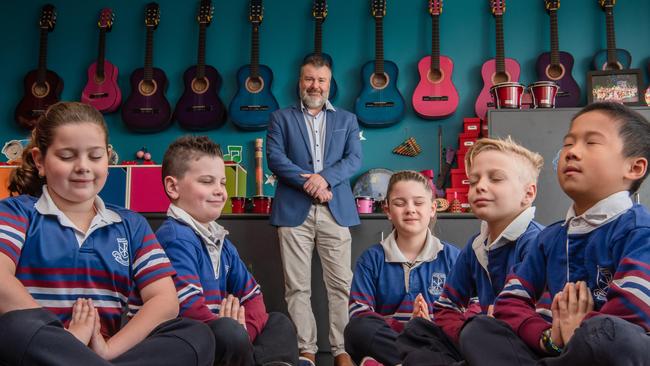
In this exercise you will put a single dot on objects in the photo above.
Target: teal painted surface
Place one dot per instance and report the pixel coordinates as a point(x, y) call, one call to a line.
point(467, 36)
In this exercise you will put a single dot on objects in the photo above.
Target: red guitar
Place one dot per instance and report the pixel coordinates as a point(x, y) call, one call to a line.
point(499, 69)
point(101, 90)
point(43, 87)
point(435, 96)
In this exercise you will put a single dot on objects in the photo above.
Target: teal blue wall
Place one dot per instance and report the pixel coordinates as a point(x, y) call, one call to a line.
point(467, 32)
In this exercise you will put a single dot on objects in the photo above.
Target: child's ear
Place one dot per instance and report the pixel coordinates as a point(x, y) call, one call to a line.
point(171, 187)
point(38, 157)
point(637, 169)
point(434, 209)
point(529, 194)
point(386, 208)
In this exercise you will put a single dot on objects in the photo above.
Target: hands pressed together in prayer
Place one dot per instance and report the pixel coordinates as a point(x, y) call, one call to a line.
point(569, 308)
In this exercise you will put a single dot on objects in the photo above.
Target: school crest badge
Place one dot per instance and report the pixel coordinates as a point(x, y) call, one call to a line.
point(437, 283)
point(121, 255)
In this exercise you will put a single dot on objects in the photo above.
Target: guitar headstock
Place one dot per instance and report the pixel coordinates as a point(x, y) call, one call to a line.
point(106, 19)
point(48, 17)
point(319, 9)
point(378, 8)
point(607, 4)
point(552, 5)
point(498, 7)
point(435, 7)
point(206, 10)
point(256, 12)
point(152, 15)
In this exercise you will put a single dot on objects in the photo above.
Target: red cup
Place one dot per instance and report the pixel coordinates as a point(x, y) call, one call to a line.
point(238, 204)
point(262, 204)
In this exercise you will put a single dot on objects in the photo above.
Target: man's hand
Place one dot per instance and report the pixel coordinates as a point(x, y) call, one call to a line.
point(324, 195)
point(83, 320)
point(314, 184)
point(230, 308)
point(576, 302)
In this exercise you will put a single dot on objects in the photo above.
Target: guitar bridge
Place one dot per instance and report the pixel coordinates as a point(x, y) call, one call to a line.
point(563, 94)
point(200, 108)
point(253, 108)
point(146, 110)
point(98, 95)
point(379, 104)
point(431, 98)
point(38, 112)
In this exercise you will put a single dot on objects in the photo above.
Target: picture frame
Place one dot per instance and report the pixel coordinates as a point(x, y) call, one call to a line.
point(623, 86)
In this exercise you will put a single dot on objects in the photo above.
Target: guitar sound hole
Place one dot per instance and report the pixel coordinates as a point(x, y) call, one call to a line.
point(435, 76)
point(500, 77)
point(613, 66)
point(199, 86)
point(555, 72)
point(379, 81)
point(147, 87)
point(254, 84)
point(40, 90)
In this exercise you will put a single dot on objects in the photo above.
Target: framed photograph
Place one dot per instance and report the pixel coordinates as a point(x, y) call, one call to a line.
point(623, 86)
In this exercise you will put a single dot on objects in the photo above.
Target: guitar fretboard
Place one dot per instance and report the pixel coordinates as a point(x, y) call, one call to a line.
point(42, 57)
point(611, 36)
point(435, 43)
point(101, 53)
point(500, 59)
point(379, 45)
point(200, 69)
point(555, 39)
point(255, 51)
point(318, 37)
point(148, 55)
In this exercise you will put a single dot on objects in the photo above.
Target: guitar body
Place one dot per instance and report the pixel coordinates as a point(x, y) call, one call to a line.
point(569, 93)
point(200, 108)
point(103, 94)
point(379, 105)
point(435, 95)
point(37, 98)
point(623, 57)
point(253, 104)
point(488, 72)
point(147, 109)
point(333, 87)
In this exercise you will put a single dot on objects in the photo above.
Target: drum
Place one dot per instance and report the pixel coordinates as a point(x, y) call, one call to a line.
point(262, 204)
point(238, 205)
point(364, 204)
point(543, 93)
point(507, 95)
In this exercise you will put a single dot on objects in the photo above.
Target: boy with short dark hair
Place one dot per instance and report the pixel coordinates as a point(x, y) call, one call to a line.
point(212, 282)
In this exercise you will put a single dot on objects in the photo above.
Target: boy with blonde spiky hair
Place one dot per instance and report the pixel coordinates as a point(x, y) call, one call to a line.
point(503, 185)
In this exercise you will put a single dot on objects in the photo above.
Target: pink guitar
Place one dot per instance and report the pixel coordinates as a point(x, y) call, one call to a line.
point(101, 90)
point(435, 96)
point(496, 70)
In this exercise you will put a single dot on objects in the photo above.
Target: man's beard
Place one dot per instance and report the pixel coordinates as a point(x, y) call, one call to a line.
point(313, 102)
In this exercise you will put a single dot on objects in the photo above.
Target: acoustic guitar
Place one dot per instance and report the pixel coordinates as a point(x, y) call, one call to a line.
point(611, 58)
point(200, 108)
point(42, 87)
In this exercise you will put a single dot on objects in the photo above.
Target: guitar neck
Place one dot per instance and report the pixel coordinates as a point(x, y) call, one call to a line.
point(318, 37)
point(200, 69)
point(148, 56)
point(500, 59)
point(42, 57)
point(435, 42)
point(555, 38)
point(379, 46)
point(255, 51)
point(259, 185)
point(611, 36)
point(101, 54)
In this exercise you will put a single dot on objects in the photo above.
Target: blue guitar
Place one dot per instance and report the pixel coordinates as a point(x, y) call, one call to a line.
point(612, 58)
point(319, 11)
point(380, 103)
point(253, 104)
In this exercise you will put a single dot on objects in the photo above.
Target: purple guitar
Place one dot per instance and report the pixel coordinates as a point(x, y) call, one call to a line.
point(199, 108)
point(557, 65)
point(147, 109)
